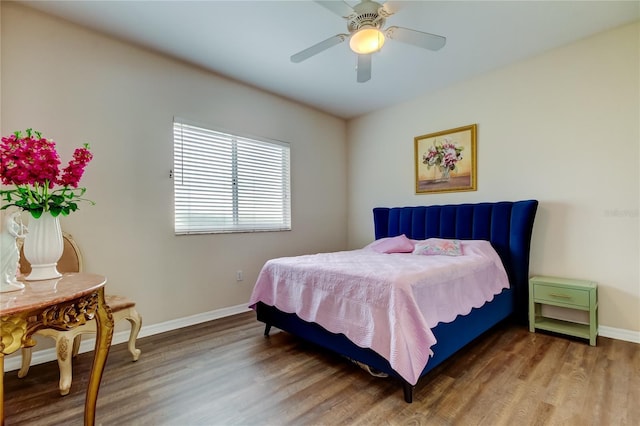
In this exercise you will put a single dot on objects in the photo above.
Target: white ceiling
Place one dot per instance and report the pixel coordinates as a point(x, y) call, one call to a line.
point(251, 41)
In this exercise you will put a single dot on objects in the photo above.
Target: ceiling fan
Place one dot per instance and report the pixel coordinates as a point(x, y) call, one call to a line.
point(366, 35)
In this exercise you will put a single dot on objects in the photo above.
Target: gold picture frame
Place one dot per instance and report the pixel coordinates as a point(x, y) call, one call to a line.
point(446, 161)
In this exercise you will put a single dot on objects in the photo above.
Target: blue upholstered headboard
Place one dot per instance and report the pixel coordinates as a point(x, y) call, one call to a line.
point(507, 225)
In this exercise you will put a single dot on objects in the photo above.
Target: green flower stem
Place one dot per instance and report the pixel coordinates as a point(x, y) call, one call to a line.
point(34, 195)
point(30, 194)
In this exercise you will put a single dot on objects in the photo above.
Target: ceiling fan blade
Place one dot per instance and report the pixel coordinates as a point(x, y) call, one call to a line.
point(364, 68)
point(319, 47)
point(389, 8)
point(340, 8)
point(417, 38)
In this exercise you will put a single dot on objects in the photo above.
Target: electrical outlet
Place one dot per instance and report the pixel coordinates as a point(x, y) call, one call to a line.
point(239, 276)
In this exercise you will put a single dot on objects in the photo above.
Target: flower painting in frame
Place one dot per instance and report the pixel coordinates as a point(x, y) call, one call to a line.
point(446, 161)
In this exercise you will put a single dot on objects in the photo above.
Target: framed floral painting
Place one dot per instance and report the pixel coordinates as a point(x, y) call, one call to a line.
point(446, 161)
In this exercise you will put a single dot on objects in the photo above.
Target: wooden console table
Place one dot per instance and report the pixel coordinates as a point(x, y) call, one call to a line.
point(62, 304)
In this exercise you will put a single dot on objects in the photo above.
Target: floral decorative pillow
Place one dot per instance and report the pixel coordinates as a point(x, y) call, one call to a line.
point(399, 244)
point(438, 246)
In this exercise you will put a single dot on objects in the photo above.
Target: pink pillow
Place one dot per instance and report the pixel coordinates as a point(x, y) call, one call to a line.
point(399, 244)
point(438, 246)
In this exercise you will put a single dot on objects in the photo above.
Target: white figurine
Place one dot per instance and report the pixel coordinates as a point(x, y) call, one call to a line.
point(9, 254)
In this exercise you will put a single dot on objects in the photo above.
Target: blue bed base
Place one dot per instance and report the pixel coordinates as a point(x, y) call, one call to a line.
point(507, 225)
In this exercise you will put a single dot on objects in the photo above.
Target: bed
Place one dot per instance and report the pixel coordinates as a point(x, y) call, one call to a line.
point(506, 225)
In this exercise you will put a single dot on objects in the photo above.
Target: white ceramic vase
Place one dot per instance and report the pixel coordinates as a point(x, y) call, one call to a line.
point(43, 247)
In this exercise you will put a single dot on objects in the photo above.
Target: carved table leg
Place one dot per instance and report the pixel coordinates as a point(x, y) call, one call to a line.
point(1, 387)
point(104, 333)
point(12, 332)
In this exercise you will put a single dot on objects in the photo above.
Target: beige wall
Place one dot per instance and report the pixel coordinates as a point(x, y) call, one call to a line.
point(75, 86)
point(562, 128)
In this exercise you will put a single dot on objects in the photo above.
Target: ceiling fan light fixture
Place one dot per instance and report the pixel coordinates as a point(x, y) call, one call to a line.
point(367, 40)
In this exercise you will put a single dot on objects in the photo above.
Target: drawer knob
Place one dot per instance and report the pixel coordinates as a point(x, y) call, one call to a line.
point(563, 296)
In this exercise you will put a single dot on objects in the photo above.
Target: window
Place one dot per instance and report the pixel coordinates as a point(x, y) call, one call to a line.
point(229, 183)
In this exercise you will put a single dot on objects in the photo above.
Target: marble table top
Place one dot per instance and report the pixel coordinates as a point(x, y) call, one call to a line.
point(40, 294)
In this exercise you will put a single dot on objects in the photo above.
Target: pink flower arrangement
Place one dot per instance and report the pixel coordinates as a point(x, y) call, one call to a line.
point(31, 164)
point(444, 155)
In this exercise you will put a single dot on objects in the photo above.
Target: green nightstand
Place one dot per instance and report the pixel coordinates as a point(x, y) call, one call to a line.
point(575, 303)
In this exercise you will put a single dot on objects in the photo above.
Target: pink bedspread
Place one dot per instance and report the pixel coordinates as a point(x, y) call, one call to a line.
point(386, 302)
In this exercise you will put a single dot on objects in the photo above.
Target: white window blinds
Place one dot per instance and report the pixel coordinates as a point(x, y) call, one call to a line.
point(229, 183)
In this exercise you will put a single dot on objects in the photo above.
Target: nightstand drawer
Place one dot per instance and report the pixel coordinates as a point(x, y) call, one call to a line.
point(562, 295)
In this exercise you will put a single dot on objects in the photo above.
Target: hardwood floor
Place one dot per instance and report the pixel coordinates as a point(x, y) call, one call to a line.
point(225, 372)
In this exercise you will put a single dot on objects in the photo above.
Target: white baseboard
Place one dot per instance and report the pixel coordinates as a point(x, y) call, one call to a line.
point(619, 334)
point(46, 355)
point(39, 357)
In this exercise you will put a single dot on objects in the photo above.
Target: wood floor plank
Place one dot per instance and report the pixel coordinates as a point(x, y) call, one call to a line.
point(225, 372)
